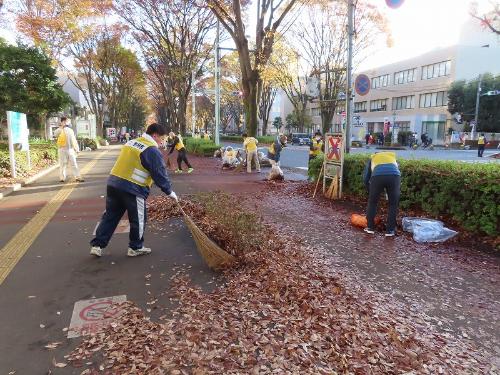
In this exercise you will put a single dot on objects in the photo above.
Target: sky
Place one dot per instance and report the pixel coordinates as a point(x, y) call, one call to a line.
point(419, 26)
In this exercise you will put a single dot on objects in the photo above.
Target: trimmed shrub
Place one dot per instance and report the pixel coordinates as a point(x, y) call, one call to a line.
point(201, 147)
point(268, 139)
point(88, 142)
point(41, 154)
point(469, 193)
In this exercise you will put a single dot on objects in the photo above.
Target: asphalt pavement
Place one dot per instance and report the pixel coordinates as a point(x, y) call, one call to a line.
point(296, 157)
point(46, 266)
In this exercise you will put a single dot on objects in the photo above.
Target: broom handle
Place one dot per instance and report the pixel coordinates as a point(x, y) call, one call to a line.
point(317, 182)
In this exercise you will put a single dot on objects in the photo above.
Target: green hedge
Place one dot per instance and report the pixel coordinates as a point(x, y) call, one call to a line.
point(467, 192)
point(88, 142)
point(239, 139)
point(41, 154)
point(200, 147)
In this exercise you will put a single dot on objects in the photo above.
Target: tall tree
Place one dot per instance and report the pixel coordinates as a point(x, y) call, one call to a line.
point(53, 24)
point(462, 100)
point(271, 15)
point(175, 40)
point(491, 19)
point(28, 82)
point(290, 76)
point(323, 38)
point(266, 103)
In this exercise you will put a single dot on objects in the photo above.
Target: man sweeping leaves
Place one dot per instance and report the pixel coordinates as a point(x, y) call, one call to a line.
point(139, 164)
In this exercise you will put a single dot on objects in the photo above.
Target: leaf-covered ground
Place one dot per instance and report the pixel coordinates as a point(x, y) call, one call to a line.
point(289, 307)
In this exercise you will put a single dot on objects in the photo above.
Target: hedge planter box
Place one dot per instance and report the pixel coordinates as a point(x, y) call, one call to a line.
point(469, 193)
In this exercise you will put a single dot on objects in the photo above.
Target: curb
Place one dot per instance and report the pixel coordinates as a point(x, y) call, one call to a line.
point(9, 190)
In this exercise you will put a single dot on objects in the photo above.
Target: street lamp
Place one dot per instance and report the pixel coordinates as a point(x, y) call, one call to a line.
point(394, 127)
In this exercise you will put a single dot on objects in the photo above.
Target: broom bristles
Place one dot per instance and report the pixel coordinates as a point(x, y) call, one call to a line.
point(214, 256)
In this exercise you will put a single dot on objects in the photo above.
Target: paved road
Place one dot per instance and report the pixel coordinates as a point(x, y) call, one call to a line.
point(297, 156)
point(46, 228)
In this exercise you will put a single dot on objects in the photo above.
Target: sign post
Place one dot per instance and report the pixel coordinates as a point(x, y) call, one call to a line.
point(334, 164)
point(17, 129)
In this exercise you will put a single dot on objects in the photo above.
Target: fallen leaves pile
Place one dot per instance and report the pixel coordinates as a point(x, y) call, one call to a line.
point(279, 312)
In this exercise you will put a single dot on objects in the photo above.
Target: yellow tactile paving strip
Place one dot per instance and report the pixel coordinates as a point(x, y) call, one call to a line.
point(14, 250)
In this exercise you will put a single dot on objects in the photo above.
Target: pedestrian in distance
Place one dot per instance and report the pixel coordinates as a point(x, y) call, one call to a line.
point(367, 138)
point(67, 149)
point(382, 173)
point(274, 155)
point(139, 164)
point(317, 146)
point(381, 139)
point(250, 146)
point(178, 145)
point(481, 144)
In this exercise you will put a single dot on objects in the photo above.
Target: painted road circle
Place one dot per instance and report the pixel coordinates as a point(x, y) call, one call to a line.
point(394, 3)
point(99, 311)
point(362, 84)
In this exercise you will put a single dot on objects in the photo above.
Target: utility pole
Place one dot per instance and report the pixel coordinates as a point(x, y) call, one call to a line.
point(217, 86)
point(193, 103)
point(476, 114)
point(348, 111)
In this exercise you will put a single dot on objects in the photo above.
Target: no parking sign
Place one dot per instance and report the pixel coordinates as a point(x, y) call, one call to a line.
point(362, 84)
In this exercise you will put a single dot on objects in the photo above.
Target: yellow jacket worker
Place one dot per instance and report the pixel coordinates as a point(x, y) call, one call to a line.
point(139, 164)
point(481, 144)
point(382, 173)
point(316, 146)
point(250, 146)
point(178, 145)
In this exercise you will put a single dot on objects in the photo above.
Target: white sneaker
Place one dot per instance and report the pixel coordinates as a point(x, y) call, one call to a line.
point(136, 253)
point(96, 250)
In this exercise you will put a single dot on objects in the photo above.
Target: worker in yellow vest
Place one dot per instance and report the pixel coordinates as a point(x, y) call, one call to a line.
point(250, 146)
point(67, 149)
point(177, 144)
point(382, 173)
point(481, 144)
point(139, 164)
point(206, 136)
point(317, 146)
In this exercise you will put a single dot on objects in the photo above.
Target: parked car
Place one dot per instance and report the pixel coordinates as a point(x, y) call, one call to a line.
point(301, 139)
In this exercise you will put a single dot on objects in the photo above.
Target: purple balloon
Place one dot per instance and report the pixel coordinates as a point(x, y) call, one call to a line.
point(394, 3)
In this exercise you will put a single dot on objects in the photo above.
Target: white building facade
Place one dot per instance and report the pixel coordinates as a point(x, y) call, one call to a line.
point(412, 94)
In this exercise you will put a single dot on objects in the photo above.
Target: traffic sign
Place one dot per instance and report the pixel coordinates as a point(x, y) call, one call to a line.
point(394, 3)
point(312, 86)
point(362, 84)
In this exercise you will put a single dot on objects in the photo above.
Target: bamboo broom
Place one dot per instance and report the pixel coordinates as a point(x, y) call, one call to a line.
point(215, 257)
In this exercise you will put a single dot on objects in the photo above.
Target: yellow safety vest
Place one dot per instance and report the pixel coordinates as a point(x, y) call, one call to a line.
point(180, 144)
point(206, 136)
point(481, 140)
point(316, 147)
point(250, 144)
point(383, 158)
point(129, 166)
point(271, 149)
point(62, 139)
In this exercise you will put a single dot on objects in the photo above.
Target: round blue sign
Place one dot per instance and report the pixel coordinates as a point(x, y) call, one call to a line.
point(362, 84)
point(394, 3)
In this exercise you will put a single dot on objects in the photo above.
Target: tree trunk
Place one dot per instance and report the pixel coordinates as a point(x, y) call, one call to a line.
point(251, 109)
point(181, 115)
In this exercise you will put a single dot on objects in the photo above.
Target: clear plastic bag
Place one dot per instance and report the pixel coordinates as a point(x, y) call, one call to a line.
point(427, 230)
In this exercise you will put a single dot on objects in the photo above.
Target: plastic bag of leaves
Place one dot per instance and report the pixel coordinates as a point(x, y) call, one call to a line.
point(427, 230)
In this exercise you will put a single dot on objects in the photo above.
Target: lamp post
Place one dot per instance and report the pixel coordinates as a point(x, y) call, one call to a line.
point(394, 139)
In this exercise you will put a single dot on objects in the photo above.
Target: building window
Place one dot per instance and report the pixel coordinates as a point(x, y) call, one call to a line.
point(404, 126)
point(403, 102)
point(434, 129)
point(436, 70)
point(315, 112)
point(380, 81)
point(359, 107)
point(405, 76)
point(434, 99)
point(378, 105)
